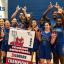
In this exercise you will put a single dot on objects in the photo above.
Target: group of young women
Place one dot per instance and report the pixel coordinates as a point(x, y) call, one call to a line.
point(49, 34)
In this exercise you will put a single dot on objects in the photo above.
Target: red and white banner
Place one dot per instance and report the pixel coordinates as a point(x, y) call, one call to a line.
point(20, 46)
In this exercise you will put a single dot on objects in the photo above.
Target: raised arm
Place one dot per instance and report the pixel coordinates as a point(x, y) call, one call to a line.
point(31, 15)
point(30, 23)
point(24, 10)
point(46, 12)
point(60, 11)
point(2, 31)
point(63, 12)
point(56, 6)
point(29, 20)
point(15, 13)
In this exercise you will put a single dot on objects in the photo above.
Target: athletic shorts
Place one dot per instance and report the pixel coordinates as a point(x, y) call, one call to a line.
point(35, 47)
point(58, 49)
point(0, 45)
point(45, 52)
point(4, 47)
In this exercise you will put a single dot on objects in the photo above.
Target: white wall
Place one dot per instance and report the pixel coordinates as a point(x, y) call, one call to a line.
point(4, 14)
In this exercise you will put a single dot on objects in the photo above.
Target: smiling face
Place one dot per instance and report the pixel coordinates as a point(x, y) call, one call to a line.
point(14, 21)
point(23, 20)
point(42, 21)
point(55, 14)
point(47, 26)
point(59, 22)
point(34, 23)
point(7, 24)
point(1, 22)
point(21, 15)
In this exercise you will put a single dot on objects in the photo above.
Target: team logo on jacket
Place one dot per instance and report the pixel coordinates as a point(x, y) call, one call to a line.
point(18, 42)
